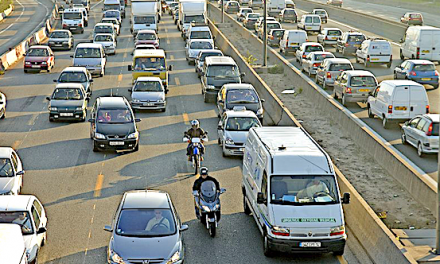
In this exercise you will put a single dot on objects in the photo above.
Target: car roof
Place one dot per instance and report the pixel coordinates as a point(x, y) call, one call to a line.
point(88, 45)
point(434, 117)
point(421, 61)
point(104, 24)
point(149, 79)
point(104, 34)
point(199, 28)
point(220, 60)
point(145, 199)
point(244, 86)
point(240, 113)
point(200, 40)
point(212, 51)
point(149, 52)
point(39, 47)
point(74, 69)
point(311, 44)
point(332, 29)
point(111, 101)
point(359, 73)
point(15, 202)
point(5, 152)
point(69, 85)
point(61, 30)
point(338, 60)
point(401, 82)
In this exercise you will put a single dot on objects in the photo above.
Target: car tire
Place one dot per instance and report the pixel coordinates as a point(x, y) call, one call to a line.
point(219, 142)
point(223, 152)
point(335, 96)
point(370, 113)
point(35, 261)
point(266, 246)
point(401, 55)
point(343, 101)
point(338, 252)
point(163, 110)
point(419, 150)
point(246, 208)
point(395, 76)
point(357, 59)
point(95, 148)
point(403, 138)
point(435, 86)
point(3, 114)
point(385, 123)
point(316, 79)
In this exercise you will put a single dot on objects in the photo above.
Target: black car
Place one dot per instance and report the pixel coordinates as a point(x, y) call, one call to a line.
point(68, 102)
point(113, 125)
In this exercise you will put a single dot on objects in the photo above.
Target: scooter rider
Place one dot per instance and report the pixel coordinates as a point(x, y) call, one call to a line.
point(194, 132)
point(197, 183)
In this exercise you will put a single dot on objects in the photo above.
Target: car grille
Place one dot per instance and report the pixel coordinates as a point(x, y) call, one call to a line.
point(143, 261)
point(116, 136)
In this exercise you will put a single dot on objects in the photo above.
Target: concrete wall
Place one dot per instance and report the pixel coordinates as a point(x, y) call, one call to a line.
point(375, 237)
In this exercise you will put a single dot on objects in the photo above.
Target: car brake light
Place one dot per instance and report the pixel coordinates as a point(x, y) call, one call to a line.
point(390, 109)
point(348, 90)
point(368, 57)
point(329, 75)
point(304, 56)
point(80, 25)
point(429, 132)
point(418, 53)
point(427, 109)
point(337, 233)
point(316, 64)
point(346, 44)
point(436, 73)
point(413, 73)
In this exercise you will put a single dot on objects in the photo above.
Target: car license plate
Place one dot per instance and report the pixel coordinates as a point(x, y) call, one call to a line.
point(294, 44)
point(66, 114)
point(357, 45)
point(426, 79)
point(35, 66)
point(402, 108)
point(116, 143)
point(374, 59)
point(364, 90)
point(310, 244)
point(58, 45)
point(148, 104)
point(308, 27)
point(425, 51)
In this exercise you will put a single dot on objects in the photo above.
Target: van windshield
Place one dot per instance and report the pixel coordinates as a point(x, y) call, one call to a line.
point(103, 29)
point(144, 20)
point(200, 45)
point(200, 35)
point(72, 16)
point(111, 7)
point(88, 53)
point(145, 64)
point(222, 71)
point(254, 16)
point(300, 190)
point(196, 19)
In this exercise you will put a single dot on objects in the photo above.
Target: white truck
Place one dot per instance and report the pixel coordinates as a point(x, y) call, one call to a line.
point(144, 15)
point(274, 7)
point(191, 11)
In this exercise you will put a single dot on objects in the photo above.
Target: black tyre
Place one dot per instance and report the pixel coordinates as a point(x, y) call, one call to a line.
point(266, 247)
point(196, 165)
point(401, 55)
point(338, 253)
point(370, 114)
point(419, 150)
point(212, 229)
point(403, 138)
point(385, 123)
point(95, 148)
point(246, 208)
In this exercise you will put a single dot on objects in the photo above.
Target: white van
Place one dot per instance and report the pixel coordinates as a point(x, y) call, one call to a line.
point(73, 20)
point(12, 246)
point(290, 187)
point(375, 51)
point(421, 42)
point(292, 40)
point(310, 23)
point(398, 101)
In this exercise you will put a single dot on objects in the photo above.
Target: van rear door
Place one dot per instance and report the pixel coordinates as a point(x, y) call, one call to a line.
point(429, 44)
point(436, 45)
point(418, 100)
point(401, 103)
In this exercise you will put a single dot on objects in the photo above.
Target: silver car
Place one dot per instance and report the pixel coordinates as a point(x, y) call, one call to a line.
point(354, 86)
point(330, 69)
point(422, 133)
point(61, 39)
point(313, 60)
point(146, 229)
point(148, 93)
point(2, 106)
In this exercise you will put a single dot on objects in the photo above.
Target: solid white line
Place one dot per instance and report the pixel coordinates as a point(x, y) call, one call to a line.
point(93, 6)
point(22, 11)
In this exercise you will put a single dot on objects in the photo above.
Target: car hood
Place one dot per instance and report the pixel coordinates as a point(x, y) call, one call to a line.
point(115, 129)
point(86, 61)
point(6, 184)
point(66, 103)
point(29, 241)
point(145, 247)
point(148, 96)
point(328, 215)
point(36, 59)
point(237, 136)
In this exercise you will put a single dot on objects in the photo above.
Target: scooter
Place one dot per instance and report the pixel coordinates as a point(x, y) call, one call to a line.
point(196, 155)
point(207, 202)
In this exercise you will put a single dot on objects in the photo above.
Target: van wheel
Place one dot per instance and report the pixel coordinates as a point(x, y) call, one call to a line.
point(266, 247)
point(419, 150)
point(246, 208)
point(385, 123)
point(370, 113)
point(401, 55)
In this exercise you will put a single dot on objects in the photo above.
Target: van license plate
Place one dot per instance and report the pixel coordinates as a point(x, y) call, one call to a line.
point(374, 59)
point(402, 108)
point(310, 244)
point(308, 27)
point(364, 90)
point(425, 51)
point(116, 143)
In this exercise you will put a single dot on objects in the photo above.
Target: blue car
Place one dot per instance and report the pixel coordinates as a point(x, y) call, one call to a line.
point(421, 71)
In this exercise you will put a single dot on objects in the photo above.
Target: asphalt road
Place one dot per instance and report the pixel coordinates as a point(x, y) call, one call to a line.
point(27, 15)
point(81, 189)
point(393, 13)
point(428, 163)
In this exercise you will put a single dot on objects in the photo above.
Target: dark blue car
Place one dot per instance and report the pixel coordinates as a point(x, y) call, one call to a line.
point(421, 71)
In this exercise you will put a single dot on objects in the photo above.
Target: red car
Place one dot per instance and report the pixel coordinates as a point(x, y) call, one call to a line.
point(39, 58)
point(147, 36)
point(412, 18)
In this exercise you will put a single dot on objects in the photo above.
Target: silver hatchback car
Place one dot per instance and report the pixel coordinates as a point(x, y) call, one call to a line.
point(330, 69)
point(354, 86)
point(146, 229)
point(422, 133)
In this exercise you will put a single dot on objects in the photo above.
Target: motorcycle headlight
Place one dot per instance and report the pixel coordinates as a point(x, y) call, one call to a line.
point(206, 208)
point(53, 108)
point(134, 135)
point(229, 141)
point(260, 111)
point(116, 258)
point(99, 136)
point(174, 258)
point(79, 108)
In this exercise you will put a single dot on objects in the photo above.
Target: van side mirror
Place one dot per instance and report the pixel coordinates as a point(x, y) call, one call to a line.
point(41, 230)
point(48, 98)
point(183, 228)
point(260, 198)
point(401, 40)
point(170, 68)
point(91, 80)
point(129, 68)
point(346, 198)
point(55, 81)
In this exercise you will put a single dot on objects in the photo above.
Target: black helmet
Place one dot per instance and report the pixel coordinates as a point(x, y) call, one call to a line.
point(203, 171)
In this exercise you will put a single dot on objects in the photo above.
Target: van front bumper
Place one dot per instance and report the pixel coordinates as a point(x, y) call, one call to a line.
point(293, 245)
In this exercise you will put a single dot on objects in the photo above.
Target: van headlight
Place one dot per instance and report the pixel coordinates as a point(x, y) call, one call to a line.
point(116, 258)
point(337, 230)
point(52, 108)
point(229, 141)
point(99, 136)
point(134, 135)
point(174, 258)
point(79, 108)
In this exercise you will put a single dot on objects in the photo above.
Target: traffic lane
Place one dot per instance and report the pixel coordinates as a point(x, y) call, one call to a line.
point(26, 17)
point(393, 13)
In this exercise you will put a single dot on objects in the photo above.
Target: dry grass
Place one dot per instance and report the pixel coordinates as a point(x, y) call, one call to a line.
point(4, 4)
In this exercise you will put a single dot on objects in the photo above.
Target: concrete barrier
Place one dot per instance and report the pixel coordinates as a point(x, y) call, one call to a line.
point(360, 218)
point(11, 57)
point(420, 185)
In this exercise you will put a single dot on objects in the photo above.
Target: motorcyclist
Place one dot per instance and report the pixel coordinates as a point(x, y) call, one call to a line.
point(197, 183)
point(195, 132)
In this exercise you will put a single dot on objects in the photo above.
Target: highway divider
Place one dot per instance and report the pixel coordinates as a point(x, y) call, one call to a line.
point(377, 240)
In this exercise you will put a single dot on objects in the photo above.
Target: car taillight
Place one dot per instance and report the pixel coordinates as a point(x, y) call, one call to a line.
point(346, 44)
point(368, 57)
point(348, 90)
point(436, 73)
point(64, 25)
point(326, 38)
point(316, 64)
point(390, 109)
point(427, 109)
point(413, 73)
point(429, 132)
point(304, 56)
point(337, 233)
point(329, 75)
point(80, 25)
point(418, 53)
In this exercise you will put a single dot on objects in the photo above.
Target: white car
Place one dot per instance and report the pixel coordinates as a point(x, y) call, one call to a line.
point(193, 48)
point(114, 21)
point(107, 41)
point(313, 60)
point(28, 212)
point(2, 106)
point(11, 171)
point(306, 48)
point(329, 36)
point(422, 133)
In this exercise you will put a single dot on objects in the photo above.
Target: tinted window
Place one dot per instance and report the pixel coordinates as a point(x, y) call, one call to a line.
point(72, 16)
point(146, 222)
point(340, 67)
point(241, 123)
point(201, 45)
point(114, 116)
point(37, 53)
point(6, 169)
point(146, 36)
point(209, 54)
point(313, 48)
point(357, 81)
point(334, 33)
point(88, 53)
point(241, 96)
point(67, 94)
point(143, 86)
point(196, 19)
point(424, 67)
point(308, 20)
point(75, 77)
point(321, 57)
point(201, 35)
point(208, 191)
point(254, 16)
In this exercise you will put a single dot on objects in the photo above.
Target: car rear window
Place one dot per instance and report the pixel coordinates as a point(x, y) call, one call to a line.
point(415, 15)
point(272, 26)
point(313, 48)
point(289, 12)
point(277, 33)
point(358, 81)
point(200, 35)
point(424, 67)
point(320, 12)
point(334, 33)
point(356, 38)
point(435, 129)
point(201, 45)
point(340, 67)
point(321, 57)
point(253, 15)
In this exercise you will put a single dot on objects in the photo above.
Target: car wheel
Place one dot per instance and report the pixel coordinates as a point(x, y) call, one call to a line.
point(401, 55)
point(102, 73)
point(385, 123)
point(266, 247)
point(219, 142)
point(35, 261)
point(389, 64)
point(324, 86)
point(95, 148)
point(335, 96)
point(343, 100)
point(366, 64)
point(224, 151)
point(370, 113)
point(403, 137)
point(419, 150)
point(357, 59)
point(246, 208)
point(395, 76)
point(3, 114)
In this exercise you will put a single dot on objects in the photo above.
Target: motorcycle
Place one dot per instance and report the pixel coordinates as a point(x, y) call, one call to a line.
point(196, 155)
point(207, 202)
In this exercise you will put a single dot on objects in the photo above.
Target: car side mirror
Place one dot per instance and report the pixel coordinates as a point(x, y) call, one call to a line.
point(48, 98)
point(91, 120)
point(91, 80)
point(129, 68)
point(183, 228)
point(263, 100)
point(260, 198)
point(20, 172)
point(242, 75)
point(41, 230)
point(137, 120)
point(108, 228)
point(346, 198)
point(55, 81)
point(71, 56)
point(170, 68)
point(195, 194)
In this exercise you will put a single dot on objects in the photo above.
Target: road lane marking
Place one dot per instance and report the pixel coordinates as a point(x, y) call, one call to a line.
point(185, 118)
point(119, 77)
point(16, 144)
point(168, 41)
point(341, 260)
point(22, 11)
point(98, 185)
point(31, 121)
point(176, 79)
point(171, 57)
point(125, 55)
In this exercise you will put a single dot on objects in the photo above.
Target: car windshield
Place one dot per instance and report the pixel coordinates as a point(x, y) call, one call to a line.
point(103, 29)
point(203, 55)
point(37, 53)
point(424, 67)
point(200, 45)
point(340, 67)
point(145, 63)
point(254, 16)
point(289, 12)
point(67, 94)
point(222, 71)
point(112, 13)
point(146, 223)
point(75, 77)
point(196, 19)
point(88, 53)
point(72, 16)
point(312, 48)
point(300, 190)
point(241, 123)
point(273, 25)
point(58, 34)
point(357, 81)
point(104, 38)
point(146, 36)
point(334, 33)
point(241, 96)
point(144, 20)
point(321, 57)
point(200, 35)
point(277, 33)
point(111, 7)
point(115, 116)
point(6, 168)
point(20, 218)
point(208, 191)
point(148, 86)
point(356, 38)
